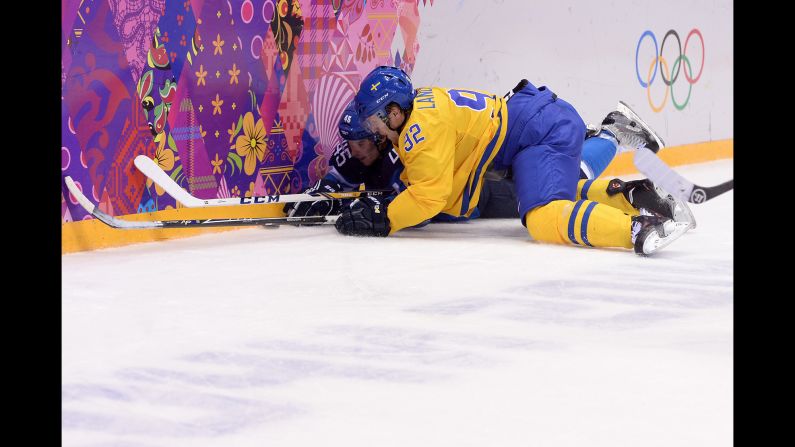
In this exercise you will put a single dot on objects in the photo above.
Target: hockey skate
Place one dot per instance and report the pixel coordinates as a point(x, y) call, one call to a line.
point(652, 200)
point(681, 212)
point(651, 233)
point(630, 130)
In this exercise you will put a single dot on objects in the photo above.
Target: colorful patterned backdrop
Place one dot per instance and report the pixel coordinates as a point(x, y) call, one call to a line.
point(230, 97)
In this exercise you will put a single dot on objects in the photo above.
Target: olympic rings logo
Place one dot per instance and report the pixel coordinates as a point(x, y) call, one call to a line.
point(669, 77)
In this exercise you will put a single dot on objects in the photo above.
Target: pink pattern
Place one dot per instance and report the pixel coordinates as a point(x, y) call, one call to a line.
point(293, 109)
point(136, 21)
point(319, 25)
point(329, 100)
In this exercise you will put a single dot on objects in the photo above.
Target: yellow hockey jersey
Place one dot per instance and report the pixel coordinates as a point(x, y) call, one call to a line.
point(446, 145)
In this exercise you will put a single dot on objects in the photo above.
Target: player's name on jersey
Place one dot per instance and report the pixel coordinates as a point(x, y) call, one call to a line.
point(424, 98)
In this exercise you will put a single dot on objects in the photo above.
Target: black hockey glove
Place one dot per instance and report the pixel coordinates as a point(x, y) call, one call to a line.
point(317, 208)
point(364, 217)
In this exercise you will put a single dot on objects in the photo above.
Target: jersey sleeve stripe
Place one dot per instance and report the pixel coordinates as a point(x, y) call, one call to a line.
point(469, 189)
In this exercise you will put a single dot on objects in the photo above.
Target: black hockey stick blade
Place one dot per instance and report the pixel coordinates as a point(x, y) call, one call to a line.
point(701, 194)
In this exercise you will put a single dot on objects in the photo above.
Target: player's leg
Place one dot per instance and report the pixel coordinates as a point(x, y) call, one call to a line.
point(551, 217)
point(546, 187)
point(597, 153)
point(630, 130)
point(546, 192)
point(625, 128)
point(630, 196)
point(498, 198)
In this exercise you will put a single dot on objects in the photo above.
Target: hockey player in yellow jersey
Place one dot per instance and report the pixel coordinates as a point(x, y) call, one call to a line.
point(449, 138)
point(446, 181)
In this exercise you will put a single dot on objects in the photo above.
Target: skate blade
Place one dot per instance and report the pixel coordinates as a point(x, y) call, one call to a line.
point(654, 243)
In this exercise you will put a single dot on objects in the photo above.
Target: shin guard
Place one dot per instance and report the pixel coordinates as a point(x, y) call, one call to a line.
point(583, 222)
point(598, 191)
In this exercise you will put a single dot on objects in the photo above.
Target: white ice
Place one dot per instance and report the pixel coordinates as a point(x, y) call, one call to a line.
point(450, 335)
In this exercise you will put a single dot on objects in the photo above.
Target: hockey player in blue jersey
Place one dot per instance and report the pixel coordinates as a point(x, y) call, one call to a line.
point(362, 158)
point(448, 138)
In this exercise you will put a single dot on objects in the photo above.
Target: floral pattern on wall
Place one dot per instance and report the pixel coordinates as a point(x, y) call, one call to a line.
point(230, 98)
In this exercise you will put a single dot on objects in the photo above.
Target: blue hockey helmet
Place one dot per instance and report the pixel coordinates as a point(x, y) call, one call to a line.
point(383, 86)
point(349, 125)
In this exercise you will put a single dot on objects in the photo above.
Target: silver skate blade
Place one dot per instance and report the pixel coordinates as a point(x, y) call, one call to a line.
point(626, 110)
point(654, 242)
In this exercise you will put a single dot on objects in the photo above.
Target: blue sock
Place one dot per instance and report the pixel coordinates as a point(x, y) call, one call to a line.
point(597, 153)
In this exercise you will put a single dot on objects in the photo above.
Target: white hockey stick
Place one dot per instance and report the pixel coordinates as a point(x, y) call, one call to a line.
point(123, 224)
point(150, 169)
point(664, 176)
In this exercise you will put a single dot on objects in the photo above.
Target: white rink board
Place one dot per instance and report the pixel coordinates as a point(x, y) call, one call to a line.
point(585, 52)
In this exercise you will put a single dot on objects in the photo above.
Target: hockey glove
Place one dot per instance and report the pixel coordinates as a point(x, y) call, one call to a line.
point(364, 217)
point(317, 208)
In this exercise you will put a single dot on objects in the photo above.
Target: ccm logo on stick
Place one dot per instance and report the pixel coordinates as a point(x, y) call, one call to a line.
point(262, 199)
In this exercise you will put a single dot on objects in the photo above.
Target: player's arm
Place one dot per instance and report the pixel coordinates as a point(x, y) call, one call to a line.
point(344, 169)
point(333, 175)
point(343, 173)
point(428, 158)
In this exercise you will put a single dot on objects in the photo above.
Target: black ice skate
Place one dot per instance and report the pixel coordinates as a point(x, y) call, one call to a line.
point(652, 200)
point(651, 233)
point(630, 130)
point(682, 212)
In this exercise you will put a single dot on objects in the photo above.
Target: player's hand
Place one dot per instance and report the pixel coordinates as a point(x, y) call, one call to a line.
point(317, 208)
point(364, 217)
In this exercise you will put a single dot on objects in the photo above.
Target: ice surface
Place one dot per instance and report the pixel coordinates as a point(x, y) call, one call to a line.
point(450, 335)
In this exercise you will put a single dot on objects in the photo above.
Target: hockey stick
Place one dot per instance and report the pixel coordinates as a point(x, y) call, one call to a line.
point(123, 224)
point(663, 175)
point(153, 171)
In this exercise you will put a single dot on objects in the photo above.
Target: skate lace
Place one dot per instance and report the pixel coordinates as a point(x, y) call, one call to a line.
point(635, 230)
point(632, 140)
point(628, 135)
